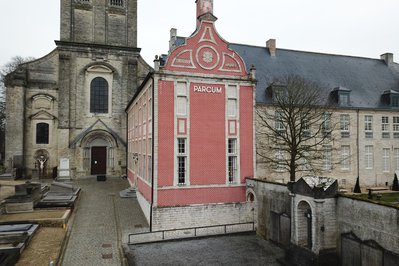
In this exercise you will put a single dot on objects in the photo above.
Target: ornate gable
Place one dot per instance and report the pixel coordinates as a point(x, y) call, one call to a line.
point(206, 52)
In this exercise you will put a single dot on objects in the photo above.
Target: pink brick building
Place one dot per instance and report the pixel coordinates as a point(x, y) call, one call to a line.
point(191, 132)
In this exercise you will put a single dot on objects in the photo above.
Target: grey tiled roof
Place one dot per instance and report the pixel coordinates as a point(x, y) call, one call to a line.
point(366, 78)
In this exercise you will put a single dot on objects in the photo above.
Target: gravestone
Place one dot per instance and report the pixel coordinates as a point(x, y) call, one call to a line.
point(25, 198)
point(64, 172)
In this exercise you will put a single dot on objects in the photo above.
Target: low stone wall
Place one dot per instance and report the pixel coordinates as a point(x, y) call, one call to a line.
point(270, 199)
point(166, 218)
point(369, 221)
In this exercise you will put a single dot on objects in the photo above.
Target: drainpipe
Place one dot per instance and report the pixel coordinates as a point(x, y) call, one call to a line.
point(357, 144)
point(152, 150)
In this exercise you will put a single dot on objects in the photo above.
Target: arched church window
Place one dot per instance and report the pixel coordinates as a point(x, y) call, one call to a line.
point(99, 96)
point(116, 2)
point(42, 130)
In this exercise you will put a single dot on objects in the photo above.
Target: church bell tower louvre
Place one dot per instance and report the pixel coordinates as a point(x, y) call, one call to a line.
point(72, 118)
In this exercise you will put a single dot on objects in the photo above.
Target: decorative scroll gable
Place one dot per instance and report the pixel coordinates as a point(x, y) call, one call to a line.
point(206, 52)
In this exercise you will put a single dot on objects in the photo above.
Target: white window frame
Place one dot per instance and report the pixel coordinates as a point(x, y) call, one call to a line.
point(395, 126)
point(278, 123)
point(181, 99)
point(396, 154)
point(232, 100)
point(369, 157)
point(279, 167)
point(232, 161)
point(385, 127)
point(386, 160)
point(327, 157)
point(345, 157)
point(368, 126)
point(181, 157)
point(344, 125)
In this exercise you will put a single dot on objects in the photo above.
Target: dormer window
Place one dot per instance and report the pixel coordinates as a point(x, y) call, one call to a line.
point(391, 98)
point(341, 96)
point(278, 92)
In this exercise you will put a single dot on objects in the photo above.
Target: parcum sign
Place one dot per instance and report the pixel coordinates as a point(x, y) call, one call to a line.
point(208, 89)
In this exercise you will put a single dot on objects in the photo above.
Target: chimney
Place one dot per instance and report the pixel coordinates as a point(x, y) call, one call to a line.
point(172, 40)
point(271, 45)
point(388, 58)
point(157, 63)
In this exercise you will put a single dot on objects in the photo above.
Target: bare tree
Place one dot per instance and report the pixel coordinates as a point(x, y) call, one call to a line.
point(294, 130)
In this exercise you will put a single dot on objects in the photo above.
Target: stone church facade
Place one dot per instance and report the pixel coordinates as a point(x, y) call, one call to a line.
point(66, 110)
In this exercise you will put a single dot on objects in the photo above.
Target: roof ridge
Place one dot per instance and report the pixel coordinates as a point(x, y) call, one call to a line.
point(311, 52)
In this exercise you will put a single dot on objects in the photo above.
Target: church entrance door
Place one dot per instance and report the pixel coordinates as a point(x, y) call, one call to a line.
point(98, 160)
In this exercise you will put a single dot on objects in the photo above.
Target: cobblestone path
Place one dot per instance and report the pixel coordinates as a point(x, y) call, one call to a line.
point(101, 223)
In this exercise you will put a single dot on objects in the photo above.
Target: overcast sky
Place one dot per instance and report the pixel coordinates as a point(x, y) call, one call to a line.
point(365, 28)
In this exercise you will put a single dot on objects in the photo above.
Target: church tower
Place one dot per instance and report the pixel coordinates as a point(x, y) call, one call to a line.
point(109, 22)
point(71, 102)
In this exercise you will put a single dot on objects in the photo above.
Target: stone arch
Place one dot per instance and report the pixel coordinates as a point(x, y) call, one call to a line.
point(98, 139)
point(304, 222)
point(250, 195)
point(99, 71)
point(101, 67)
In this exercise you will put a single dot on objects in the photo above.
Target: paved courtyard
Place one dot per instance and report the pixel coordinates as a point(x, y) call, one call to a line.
point(223, 250)
point(103, 219)
point(101, 223)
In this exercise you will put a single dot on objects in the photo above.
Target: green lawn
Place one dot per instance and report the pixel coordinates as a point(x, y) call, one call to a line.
point(389, 198)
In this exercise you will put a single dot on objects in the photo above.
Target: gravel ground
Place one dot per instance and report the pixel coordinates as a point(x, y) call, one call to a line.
point(44, 247)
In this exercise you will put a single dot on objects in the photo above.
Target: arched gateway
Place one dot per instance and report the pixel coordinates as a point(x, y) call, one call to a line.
point(98, 148)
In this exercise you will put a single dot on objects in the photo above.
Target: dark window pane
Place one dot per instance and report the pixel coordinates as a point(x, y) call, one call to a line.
point(99, 96)
point(42, 133)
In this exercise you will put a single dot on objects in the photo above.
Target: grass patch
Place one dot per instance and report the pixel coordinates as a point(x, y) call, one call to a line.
point(390, 198)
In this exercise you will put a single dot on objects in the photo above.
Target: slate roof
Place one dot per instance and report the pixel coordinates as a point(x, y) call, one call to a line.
point(366, 78)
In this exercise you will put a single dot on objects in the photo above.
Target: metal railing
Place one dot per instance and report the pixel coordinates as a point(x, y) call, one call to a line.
point(191, 232)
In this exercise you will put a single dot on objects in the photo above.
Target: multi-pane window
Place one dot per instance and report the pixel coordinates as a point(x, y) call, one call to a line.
point(385, 127)
point(150, 111)
point(99, 96)
point(396, 153)
point(181, 160)
point(181, 99)
point(327, 124)
point(396, 127)
point(345, 157)
point(232, 100)
point(278, 121)
point(327, 157)
point(386, 159)
point(368, 126)
point(279, 94)
point(343, 98)
point(369, 154)
point(42, 133)
point(280, 161)
point(232, 160)
point(344, 125)
point(305, 127)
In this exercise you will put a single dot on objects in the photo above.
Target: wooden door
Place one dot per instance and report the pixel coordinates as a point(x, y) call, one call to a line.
point(98, 160)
